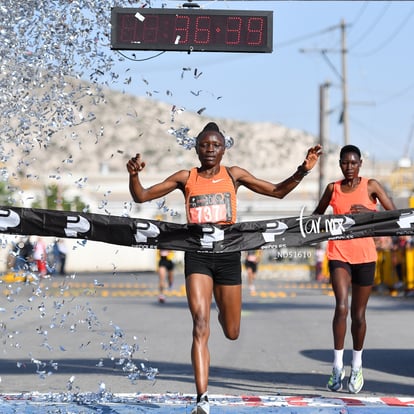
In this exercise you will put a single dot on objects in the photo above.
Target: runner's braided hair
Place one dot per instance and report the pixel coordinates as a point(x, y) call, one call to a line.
point(213, 127)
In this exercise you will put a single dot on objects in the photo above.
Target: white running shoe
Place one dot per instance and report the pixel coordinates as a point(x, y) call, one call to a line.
point(203, 406)
point(336, 378)
point(356, 381)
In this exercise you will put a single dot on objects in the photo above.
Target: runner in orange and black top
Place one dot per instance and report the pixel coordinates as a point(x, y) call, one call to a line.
point(210, 197)
point(351, 262)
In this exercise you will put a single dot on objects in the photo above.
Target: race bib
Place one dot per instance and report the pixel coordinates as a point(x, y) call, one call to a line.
point(210, 208)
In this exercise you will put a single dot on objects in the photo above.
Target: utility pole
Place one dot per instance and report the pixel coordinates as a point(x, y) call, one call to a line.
point(344, 84)
point(323, 130)
point(343, 76)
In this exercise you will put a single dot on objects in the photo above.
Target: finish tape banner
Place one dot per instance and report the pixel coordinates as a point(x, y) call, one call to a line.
point(303, 230)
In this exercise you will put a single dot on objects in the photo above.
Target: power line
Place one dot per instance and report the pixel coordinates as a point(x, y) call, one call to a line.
point(307, 36)
point(389, 39)
point(360, 13)
point(371, 27)
point(376, 137)
point(342, 75)
point(396, 95)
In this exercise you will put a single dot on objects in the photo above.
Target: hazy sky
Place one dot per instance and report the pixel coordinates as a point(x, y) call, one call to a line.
point(283, 86)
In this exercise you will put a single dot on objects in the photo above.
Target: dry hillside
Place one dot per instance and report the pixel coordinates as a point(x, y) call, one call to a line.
point(125, 124)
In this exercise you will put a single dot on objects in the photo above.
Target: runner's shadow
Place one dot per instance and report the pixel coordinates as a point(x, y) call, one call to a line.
point(393, 361)
point(398, 362)
point(242, 381)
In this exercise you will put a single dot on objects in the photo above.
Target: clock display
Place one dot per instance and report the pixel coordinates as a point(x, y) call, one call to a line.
point(192, 30)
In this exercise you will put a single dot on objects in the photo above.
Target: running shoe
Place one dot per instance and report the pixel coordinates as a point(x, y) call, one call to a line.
point(356, 381)
point(202, 407)
point(336, 378)
point(161, 299)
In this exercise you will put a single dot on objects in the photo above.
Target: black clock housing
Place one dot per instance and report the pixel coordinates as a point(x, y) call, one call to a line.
point(192, 30)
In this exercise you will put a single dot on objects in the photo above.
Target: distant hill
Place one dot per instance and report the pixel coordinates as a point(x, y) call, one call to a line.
point(96, 151)
point(126, 124)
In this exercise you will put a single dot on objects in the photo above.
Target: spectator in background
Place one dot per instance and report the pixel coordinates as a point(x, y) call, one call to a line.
point(165, 271)
point(383, 245)
point(251, 263)
point(24, 254)
point(319, 258)
point(59, 255)
point(399, 245)
point(40, 256)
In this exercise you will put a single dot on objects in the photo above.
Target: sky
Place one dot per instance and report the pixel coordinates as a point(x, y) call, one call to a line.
point(282, 87)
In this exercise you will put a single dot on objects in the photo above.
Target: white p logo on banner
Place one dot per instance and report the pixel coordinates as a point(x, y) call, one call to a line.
point(406, 220)
point(8, 219)
point(211, 234)
point(274, 229)
point(75, 225)
point(146, 230)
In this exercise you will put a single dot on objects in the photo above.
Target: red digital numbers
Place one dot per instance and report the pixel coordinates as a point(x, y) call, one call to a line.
point(150, 33)
point(202, 30)
point(192, 30)
point(233, 28)
point(255, 31)
point(182, 28)
point(126, 29)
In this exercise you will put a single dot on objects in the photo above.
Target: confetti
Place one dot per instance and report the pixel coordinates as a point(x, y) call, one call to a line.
point(139, 16)
point(44, 96)
point(188, 142)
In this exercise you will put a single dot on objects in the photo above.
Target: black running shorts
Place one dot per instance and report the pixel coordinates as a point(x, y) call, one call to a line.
point(362, 274)
point(224, 268)
point(250, 265)
point(167, 263)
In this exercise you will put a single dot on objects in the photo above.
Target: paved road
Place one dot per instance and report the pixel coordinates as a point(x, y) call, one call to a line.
point(108, 334)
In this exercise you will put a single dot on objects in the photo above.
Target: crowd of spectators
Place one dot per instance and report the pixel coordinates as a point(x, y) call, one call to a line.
point(36, 256)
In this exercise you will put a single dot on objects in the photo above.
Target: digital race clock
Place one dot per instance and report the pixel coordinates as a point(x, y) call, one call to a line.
point(192, 30)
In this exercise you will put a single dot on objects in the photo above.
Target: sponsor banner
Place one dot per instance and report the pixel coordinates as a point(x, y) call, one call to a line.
point(154, 234)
